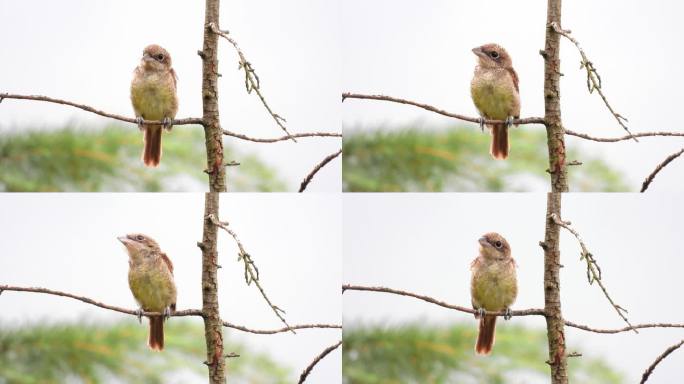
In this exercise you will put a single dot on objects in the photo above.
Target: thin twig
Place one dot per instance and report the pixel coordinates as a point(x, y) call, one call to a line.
point(349, 95)
point(258, 140)
point(192, 120)
point(614, 139)
point(281, 330)
point(660, 166)
point(593, 78)
point(251, 271)
point(650, 369)
point(187, 312)
point(251, 79)
point(318, 358)
point(317, 168)
point(593, 269)
point(526, 312)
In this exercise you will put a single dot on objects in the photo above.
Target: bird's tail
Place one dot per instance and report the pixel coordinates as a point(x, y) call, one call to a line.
point(499, 149)
point(156, 339)
point(485, 336)
point(153, 145)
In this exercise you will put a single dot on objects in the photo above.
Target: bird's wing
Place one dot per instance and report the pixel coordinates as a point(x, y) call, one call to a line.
point(514, 76)
point(168, 262)
point(175, 79)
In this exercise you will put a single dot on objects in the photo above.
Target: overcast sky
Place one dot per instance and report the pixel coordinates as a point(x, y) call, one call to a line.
point(421, 51)
point(424, 243)
point(68, 242)
point(86, 51)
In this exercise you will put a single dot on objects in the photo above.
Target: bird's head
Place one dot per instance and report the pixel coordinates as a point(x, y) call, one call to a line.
point(493, 56)
point(494, 246)
point(155, 58)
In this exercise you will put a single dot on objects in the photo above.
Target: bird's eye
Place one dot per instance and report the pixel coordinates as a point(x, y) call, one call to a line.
point(494, 54)
point(498, 244)
point(159, 57)
point(140, 238)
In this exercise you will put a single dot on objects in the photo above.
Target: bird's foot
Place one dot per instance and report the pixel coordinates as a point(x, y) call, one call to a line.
point(480, 313)
point(139, 313)
point(507, 314)
point(167, 313)
point(509, 121)
point(139, 120)
point(166, 124)
point(481, 122)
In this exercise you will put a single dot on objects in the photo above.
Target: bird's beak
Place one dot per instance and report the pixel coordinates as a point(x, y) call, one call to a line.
point(147, 57)
point(483, 242)
point(478, 52)
point(125, 240)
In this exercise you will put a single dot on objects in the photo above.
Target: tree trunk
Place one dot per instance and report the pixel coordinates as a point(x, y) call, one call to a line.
point(213, 327)
point(210, 111)
point(555, 134)
point(552, 304)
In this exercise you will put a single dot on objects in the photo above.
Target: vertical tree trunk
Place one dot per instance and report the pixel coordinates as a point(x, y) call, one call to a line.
point(555, 133)
point(552, 304)
point(210, 111)
point(213, 328)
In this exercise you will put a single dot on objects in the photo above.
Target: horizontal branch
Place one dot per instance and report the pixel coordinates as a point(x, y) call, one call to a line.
point(281, 330)
point(668, 160)
point(283, 138)
point(525, 312)
point(187, 312)
point(317, 168)
point(349, 95)
point(192, 120)
point(316, 360)
point(627, 137)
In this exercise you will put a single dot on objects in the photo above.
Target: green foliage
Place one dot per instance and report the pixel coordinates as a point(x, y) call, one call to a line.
point(457, 159)
point(108, 159)
point(421, 353)
point(98, 353)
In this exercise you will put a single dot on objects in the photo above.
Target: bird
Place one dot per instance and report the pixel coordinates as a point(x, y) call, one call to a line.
point(493, 286)
point(495, 93)
point(153, 95)
point(150, 278)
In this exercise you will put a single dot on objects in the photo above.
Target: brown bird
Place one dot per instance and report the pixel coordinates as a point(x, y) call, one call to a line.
point(150, 277)
point(153, 94)
point(494, 90)
point(493, 286)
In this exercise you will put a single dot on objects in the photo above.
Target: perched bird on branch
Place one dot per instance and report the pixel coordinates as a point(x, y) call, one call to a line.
point(494, 90)
point(493, 286)
point(150, 277)
point(153, 94)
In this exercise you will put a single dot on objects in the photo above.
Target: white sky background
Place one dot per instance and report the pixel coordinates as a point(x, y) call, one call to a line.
point(425, 243)
point(420, 50)
point(68, 242)
point(86, 51)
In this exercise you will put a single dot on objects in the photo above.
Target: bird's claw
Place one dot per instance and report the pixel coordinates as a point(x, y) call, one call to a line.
point(139, 120)
point(166, 124)
point(481, 122)
point(509, 121)
point(167, 313)
point(480, 313)
point(507, 314)
point(139, 313)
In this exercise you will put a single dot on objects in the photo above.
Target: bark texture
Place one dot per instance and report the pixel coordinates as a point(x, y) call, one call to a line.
point(213, 328)
point(555, 133)
point(552, 304)
point(210, 111)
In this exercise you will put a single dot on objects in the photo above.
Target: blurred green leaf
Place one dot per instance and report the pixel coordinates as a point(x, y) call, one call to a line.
point(105, 352)
point(108, 159)
point(422, 353)
point(457, 159)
